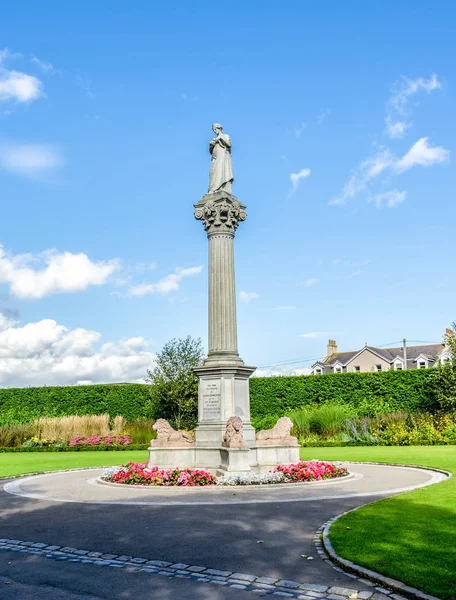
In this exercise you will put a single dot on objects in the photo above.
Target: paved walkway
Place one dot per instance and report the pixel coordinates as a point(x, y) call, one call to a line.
point(83, 539)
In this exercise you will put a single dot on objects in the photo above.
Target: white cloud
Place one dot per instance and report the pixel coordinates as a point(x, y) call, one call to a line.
point(32, 277)
point(398, 104)
point(285, 308)
point(168, 284)
point(323, 115)
point(29, 159)
point(19, 87)
point(350, 263)
point(421, 153)
point(309, 282)
point(46, 353)
point(314, 334)
point(300, 129)
point(6, 54)
point(45, 66)
point(281, 371)
point(384, 161)
point(389, 199)
point(375, 165)
point(396, 129)
point(248, 296)
point(296, 177)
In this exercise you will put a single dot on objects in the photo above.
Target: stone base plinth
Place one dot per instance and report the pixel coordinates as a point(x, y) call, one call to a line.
point(270, 456)
point(235, 460)
point(223, 392)
point(171, 457)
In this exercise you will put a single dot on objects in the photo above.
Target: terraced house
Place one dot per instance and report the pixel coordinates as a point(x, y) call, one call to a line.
point(370, 358)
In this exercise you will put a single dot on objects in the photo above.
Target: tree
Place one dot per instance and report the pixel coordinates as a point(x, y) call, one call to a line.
point(174, 385)
point(446, 376)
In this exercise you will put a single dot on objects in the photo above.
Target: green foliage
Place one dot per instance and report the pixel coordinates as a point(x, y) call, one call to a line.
point(141, 430)
point(301, 418)
point(365, 394)
point(174, 387)
point(328, 419)
point(23, 405)
point(325, 421)
point(446, 377)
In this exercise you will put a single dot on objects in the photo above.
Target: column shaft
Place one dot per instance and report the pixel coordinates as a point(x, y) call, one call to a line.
point(222, 296)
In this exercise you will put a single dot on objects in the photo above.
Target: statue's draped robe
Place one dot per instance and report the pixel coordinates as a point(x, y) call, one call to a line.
point(221, 175)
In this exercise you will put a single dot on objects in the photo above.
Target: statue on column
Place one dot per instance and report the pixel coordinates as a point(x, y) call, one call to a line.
point(221, 175)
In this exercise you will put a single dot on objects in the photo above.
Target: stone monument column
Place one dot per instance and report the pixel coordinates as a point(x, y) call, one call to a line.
point(223, 379)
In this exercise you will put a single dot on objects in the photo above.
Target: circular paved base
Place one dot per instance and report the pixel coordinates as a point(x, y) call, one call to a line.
point(82, 486)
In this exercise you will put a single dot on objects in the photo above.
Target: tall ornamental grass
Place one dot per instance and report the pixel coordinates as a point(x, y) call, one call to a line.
point(65, 428)
point(141, 430)
point(12, 436)
point(325, 421)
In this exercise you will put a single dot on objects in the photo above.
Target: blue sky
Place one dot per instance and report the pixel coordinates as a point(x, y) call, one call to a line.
point(342, 117)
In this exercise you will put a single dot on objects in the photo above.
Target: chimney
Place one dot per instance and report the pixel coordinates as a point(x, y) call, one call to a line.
point(448, 334)
point(331, 348)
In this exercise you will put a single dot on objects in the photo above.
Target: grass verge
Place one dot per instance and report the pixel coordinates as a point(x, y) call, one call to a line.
point(411, 537)
point(12, 464)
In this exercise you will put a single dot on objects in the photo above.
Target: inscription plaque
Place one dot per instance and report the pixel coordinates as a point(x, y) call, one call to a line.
point(211, 401)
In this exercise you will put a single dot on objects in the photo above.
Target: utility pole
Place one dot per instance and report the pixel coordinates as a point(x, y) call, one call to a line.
point(404, 346)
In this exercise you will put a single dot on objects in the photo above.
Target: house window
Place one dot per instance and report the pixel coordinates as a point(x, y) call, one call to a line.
point(422, 364)
point(398, 366)
point(338, 370)
point(378, 367)
point(357, 368)
point(318, 371)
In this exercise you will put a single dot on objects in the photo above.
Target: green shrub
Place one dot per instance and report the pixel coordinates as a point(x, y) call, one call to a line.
point(266, 422)
point(301, 419)
point(141, 430)
point(327, 420)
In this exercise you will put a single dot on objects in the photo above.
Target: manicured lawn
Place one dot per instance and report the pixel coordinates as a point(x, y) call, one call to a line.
point(411, 537)
point(36, 462)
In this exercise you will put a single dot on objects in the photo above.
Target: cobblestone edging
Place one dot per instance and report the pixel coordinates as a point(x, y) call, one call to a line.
point(242, 581)
point(396, 589)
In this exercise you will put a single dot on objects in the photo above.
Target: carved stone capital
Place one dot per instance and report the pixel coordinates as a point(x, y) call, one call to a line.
point(220, 212)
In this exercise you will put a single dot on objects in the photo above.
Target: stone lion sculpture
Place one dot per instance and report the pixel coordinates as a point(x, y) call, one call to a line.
point(279, 435)
point(234, 434)
point(167, 436)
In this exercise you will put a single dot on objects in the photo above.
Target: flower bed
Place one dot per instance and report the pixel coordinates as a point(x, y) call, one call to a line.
point(101, 440)
point(313, 470)
point(140, 474)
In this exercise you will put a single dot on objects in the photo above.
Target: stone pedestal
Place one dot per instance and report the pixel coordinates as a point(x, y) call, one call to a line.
point(223, 392)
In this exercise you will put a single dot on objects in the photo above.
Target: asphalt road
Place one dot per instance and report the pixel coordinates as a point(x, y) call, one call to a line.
point(219, 535)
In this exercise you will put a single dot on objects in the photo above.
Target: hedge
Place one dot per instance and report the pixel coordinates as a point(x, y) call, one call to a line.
point(366, 393)
point(23, 405)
